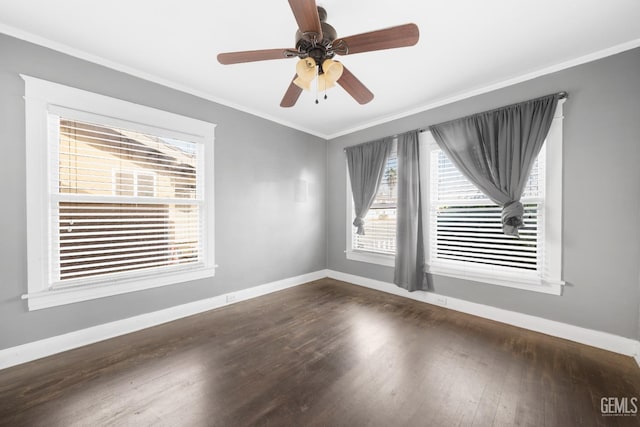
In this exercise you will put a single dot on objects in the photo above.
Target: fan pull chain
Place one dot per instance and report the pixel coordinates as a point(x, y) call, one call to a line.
point(317, 84)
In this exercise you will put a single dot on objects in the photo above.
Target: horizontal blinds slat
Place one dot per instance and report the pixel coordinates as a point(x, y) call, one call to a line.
point(466, 226)
point(119, 269)
point(485, 246)
point(121, 237)
point(526, 239)
point(475, 223)
point(469, 239)
point(104, 140)
point(136, 237)
point(490, 262)
point(78, 264)
point(124, 184)
point(140, 211)
point(485, 232)
point(132, 221)
point(510, 254)
point(123, 227)
point(453, 185)
point(70, 160)
point(101, 160)
point(130, 200)
point(81, 247)
point(70, 251)
point(85, 130)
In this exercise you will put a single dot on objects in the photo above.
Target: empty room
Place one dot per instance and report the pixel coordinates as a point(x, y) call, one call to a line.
point(320, 213)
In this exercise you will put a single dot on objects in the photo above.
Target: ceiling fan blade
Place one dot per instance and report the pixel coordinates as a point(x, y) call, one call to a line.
point(306, 14)
point(388, 38)
point(252, 55)
point(291, 95)
point(354, 87)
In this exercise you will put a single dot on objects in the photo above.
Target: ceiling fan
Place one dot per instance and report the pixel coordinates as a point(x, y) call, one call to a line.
point(317, 44)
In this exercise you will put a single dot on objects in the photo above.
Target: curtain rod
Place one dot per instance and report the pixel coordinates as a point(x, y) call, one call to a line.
point(561, 95)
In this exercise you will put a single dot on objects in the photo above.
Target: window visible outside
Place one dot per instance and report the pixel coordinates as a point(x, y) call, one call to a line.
point(120, 196)
point(466, 227)
point(380, 222)
point(124, 201)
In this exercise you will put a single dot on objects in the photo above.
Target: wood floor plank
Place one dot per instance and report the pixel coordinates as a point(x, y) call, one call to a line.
point(322, 354)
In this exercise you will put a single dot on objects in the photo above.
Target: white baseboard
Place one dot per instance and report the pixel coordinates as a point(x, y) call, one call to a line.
point(606, 341)
point(49, 346)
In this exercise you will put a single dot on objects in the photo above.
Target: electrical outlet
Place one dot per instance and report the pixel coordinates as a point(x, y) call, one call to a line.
point(441, 301)
point(231, 298)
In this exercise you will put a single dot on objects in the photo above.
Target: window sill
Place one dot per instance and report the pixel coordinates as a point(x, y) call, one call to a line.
point(69, 295)
point(517, 281)
point(371, 257)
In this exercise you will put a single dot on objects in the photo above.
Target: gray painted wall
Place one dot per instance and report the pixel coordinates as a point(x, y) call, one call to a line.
point(601, 197)
point(262, 235)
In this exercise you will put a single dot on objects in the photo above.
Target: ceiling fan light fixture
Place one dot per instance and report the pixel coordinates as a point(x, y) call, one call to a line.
point(332, 70)
point(315, 43)
point(325, 82)
point(303, 84)
point(306, 71)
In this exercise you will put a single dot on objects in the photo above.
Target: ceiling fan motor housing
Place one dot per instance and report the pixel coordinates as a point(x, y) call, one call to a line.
point(308, 44)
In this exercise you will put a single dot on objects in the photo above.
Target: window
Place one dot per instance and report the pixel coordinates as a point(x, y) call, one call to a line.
point(463, 228)
point(120, 196)
point(466, 225)
point(465, 236)
point(133, 183)
point(379, 242)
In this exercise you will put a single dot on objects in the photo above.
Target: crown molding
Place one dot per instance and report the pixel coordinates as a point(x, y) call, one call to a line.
point(80, 54)
point(495, 86)
point(66, 49)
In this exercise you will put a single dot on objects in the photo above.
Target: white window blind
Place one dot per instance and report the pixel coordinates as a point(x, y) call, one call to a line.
point(466, 228)
point(122, 201)
point(380, 222)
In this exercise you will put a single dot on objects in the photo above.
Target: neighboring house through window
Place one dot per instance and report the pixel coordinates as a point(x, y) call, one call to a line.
point(122, 200)
point(133, 183)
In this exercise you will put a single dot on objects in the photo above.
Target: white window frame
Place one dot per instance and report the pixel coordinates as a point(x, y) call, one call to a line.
point(42, 98)
point(358, 254)
point(549, 279)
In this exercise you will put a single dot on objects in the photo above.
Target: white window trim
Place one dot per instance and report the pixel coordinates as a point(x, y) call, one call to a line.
point(42, 97)
point(360, 255)
point(550, 281)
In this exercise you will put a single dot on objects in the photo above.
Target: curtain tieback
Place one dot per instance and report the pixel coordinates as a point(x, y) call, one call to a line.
point(512, 214)
point(359, 222)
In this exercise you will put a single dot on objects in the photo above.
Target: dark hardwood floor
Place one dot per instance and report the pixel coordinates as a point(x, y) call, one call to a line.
point(322, 354)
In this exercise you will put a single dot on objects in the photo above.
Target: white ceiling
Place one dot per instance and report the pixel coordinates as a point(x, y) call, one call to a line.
point(465, 47)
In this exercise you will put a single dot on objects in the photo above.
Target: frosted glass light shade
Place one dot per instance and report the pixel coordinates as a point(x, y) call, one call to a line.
point(302, 84)
point(306, 71)
point(332, 69)
point(325, 83)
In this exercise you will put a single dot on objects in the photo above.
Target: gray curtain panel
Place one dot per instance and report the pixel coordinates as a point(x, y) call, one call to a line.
point(409, 264)
point(366, 165)
point(495, 150)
